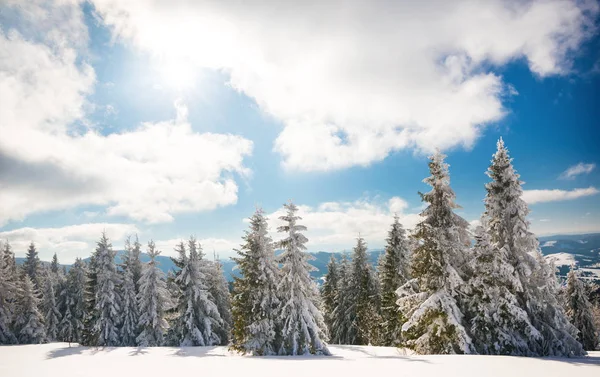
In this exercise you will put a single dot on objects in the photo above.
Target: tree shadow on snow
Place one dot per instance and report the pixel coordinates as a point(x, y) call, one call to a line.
point(138, 351)
point(76, 350)
point(586, 360)
point(66, 351)
point(196, 352)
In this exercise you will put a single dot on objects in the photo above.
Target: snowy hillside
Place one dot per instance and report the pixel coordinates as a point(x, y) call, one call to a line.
point(58, 359)
point(581, 249)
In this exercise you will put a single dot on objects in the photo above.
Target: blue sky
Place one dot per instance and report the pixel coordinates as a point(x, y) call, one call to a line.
point(168, 121)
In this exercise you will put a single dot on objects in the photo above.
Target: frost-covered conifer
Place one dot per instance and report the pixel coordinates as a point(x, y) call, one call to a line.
point(197, 314)
point(363, 295)
point(29, 322)
point(498, 325)
point(429, 301)
point(54, 266)
point(394, 266)
point(329, 295)
point(153, 302)
point(52, 316)
point(506, 213)
point(255, 301)
point(8, 288)
point(76, 285)
point(132, 260)
point(130, 313)
point(32, 266)
point(303, 328)
point(108, 304)
point(89, 335)
point(579, 311)
point(342, 316)
point(219, 289)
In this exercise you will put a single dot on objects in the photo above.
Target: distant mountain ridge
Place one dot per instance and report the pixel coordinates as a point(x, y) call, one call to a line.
point(581, 249)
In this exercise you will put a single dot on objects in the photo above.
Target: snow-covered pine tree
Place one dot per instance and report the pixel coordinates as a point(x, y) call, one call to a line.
point(52, 316)
point(218, 287)
point(108, 301)
point(508, 228)
point(153, 302)
point(498, 325)
point(255, 301)
point(362, 293)
point(394, 268)
point(89, 335)
point(8, 288)
point(54, 266)
point(429, 301)
point(130, 313)
point(342, 315)
point(329, 295)
point(76, 285)
point(29, 322)
point(32, 266)
point(173, 336)
point(579, 311)
point(197, 314)
point(132, 260)
point(303, 327)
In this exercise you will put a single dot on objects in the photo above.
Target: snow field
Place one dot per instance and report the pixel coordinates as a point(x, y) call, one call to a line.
point(60, 360)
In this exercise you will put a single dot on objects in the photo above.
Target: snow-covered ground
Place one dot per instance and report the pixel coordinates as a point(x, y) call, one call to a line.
point(561, 259)
point(60, 360)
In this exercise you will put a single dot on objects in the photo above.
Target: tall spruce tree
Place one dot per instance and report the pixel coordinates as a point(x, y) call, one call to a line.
point(8, 288)
point(130, 313)
point(303, 328)
point(197, 314)
point(89, 335)
point(32, 266)
point(132, 260)
point(108, 301)
point(430, 301)
point(498, 324)
point(329, 296)
point(72, 324)
point(218, 287)
point(255, 301)
point(535, 282)
point(51, 313)
point(29, 322)
point(579, 311)
point(394, 268)
point(153, 302)
point(54, 265)
point(362, 292)
point(341, 314)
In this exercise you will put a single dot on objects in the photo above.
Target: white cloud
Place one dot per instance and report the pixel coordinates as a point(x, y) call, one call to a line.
point(336, 225)
point(48, 161)
point(542, 196)
point(576, 170)
point(353, 82)
point(68, 242)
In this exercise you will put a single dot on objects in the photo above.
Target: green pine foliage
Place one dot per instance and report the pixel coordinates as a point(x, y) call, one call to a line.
point(255, 303)
point(394, 271)
point(363, 310)
point(329, 296)
point(579, 312)
point(430, 301)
